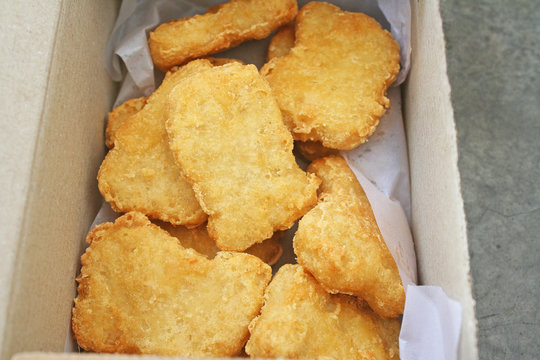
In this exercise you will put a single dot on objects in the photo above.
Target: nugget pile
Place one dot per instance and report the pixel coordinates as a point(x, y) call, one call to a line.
point(204, 171)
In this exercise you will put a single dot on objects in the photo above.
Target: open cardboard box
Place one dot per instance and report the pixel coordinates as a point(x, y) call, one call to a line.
point(61, 197)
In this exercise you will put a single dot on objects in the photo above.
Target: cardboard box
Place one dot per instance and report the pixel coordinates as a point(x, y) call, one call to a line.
point(58, 95)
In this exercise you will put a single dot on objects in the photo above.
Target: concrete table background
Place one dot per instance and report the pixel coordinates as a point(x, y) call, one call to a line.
point(493, 51)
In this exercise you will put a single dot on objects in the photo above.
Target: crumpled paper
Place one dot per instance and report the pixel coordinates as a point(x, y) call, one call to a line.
point(431, 322)
point(431, 325)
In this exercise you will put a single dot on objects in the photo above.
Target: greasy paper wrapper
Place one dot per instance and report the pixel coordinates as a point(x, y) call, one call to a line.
point(431, 321)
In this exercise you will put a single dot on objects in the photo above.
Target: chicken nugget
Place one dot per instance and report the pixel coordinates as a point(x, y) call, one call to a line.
point(118, 115)
point(312, 150)
point(339, 242)
point(226, 133)
point(280, 45)
point(222, 27)
point(282, 42)
point(140, 174)
point(300, 320)
point(124, 111)
point(388, 330)
point(198, 239)
point(331, 85)
point(141, 292)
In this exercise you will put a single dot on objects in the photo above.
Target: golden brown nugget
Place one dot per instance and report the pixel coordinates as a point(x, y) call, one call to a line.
point(300, 320)
point(331, 85)
point(119, 115)
point(280, 45)
point(140, 174)
point(388, 330)
point(339, 242)
point(226, 133)
point(282, 42)
point(222, 27)
point(141, 292)
point(312, 150)
point(124, 111)
point(269, 250)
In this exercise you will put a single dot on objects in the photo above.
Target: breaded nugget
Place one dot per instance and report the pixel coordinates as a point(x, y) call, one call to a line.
point(331, 86)
point(280, 45)
point(140, 173)
point(312, 150)
point(119, 115)
point(226, 133)
point(339, 242)
point(141, 292)
point(124, 111)
point(388, 330)
point(300, 320)
point(282, 42)
point(222, 27)
point(198, 239)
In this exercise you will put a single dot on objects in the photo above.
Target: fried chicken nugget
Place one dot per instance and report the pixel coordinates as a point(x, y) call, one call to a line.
point(124, 111)
point(280, 45)
point(388, 330)
point(222, 27)
point(339, 242)
point(120, 114)
point(331, 85)
point(269, 250)
point(300, 320)
point(282, 42)
point(226, 133)
point(141, 292)
point(140, 174)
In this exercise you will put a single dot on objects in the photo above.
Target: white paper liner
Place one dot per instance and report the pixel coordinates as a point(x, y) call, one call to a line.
point(431, 325)
point(383, 159)
point(393, 225)
point(381, 165)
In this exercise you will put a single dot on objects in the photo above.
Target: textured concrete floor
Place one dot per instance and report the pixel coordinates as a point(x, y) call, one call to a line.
point(493, 52)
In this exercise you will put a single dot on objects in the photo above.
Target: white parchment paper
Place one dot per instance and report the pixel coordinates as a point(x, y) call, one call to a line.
point(431, 321)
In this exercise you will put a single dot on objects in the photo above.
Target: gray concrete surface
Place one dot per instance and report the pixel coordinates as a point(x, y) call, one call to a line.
point(493, 52)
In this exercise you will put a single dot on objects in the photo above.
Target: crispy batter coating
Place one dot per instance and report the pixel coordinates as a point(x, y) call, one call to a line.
point(312, 150)
point(118, 115)
point(222, 27)
point(280, 45)
point(141, 292)
point(198, 239)
point(282, 42)
point(300, 320)
point(388, 330)
point(331, 86)
point(226, 133)
point(140, 174)
point(339, 242)
point(124, 111)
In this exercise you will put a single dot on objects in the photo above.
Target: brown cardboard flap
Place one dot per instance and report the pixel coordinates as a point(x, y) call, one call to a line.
point(438, 220)
point(63, 196)
point(23, 75)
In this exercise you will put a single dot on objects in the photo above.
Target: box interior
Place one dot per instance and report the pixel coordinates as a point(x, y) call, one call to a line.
point(438, 217)
point(63, 197)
